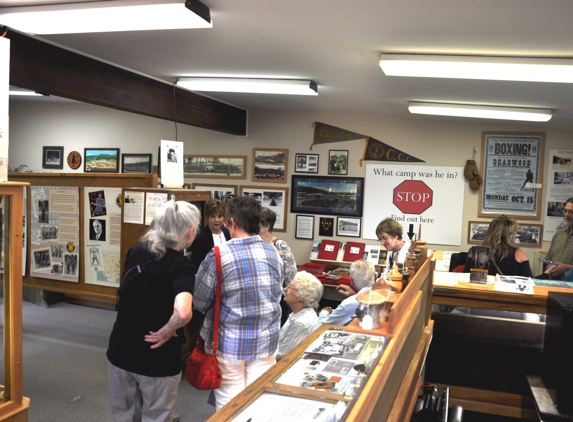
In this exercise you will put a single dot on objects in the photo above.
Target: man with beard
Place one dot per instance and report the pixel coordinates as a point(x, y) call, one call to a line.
point(561, 250)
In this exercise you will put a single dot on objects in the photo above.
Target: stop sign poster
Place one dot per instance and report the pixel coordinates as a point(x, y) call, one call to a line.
point(430, 196)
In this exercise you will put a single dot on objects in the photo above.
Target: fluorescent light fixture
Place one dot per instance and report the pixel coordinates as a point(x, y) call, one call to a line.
point(106, 16)
point(250, 85)
point(481, 111)
point(13, 92)
point(478, 67)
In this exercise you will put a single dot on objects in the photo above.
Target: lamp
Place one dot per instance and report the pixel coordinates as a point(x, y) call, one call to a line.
point(481, 111)
point(478, 67)
point(14, 91)
point(250, 85)
point(106, 16)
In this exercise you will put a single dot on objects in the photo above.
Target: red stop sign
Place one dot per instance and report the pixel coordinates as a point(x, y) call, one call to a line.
point(413, 197)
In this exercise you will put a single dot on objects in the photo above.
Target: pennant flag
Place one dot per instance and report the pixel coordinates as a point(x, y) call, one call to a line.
point(323, 134)
point(375, 150)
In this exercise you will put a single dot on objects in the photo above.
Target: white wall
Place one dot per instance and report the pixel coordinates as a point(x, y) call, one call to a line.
point(76, 126)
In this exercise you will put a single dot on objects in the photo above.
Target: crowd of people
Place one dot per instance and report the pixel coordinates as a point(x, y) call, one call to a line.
point(267, 306)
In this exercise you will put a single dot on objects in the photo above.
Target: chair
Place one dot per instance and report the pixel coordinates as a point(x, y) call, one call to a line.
point(458, 259)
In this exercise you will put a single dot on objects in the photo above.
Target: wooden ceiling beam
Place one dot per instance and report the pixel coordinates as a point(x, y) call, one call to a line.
point(48, 69)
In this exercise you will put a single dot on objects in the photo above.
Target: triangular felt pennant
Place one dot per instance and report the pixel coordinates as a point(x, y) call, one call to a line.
point(324, 134)
point(375, 150)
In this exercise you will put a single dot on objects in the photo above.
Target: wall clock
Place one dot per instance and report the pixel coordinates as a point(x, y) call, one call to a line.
point(74, 160)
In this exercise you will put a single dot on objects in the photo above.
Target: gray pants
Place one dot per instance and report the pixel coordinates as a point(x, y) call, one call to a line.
point(137, 398)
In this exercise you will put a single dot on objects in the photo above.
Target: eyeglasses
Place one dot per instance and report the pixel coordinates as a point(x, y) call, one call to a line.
point(383, 238)
point(567, 212)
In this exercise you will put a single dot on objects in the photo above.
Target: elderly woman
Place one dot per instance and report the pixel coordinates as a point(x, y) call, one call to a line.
point(302, 295)
point(505, 257)
point(155, 297)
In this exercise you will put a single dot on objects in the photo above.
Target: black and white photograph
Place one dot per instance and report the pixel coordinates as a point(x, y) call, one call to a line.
point(136, 163)
point(306, 163)
point(97, 229)
point(49, 232)
point(217, 191)
point(477, 231)
point(215, 166)
point(57, 251)
point(529, 235)
point(94, 256)
point(53, 158)
point(270, 165)
point(43, 211)
point(349, 227)
point(70, 264)
point(42, 260)
point(274, 198)
point(338, 162)
point(563, 178)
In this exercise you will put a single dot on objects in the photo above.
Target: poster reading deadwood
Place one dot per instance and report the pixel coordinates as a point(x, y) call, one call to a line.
point(512, 175)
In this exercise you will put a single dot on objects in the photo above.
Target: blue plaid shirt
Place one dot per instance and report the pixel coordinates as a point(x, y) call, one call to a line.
point(252, 272)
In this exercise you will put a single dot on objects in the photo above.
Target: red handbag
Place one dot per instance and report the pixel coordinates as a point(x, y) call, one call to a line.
point(202, 370)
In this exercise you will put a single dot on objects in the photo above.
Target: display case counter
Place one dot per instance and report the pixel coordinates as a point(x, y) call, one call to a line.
point(387, 388)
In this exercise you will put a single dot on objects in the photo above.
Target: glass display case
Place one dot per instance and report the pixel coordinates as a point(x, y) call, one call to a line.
point(13, 405)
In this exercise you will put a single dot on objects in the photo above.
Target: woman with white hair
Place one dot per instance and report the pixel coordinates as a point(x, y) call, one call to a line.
point(302, 295)
point(155, 296)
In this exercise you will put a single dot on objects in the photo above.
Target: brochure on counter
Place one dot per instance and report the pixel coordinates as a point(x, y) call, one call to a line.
point(514, 284)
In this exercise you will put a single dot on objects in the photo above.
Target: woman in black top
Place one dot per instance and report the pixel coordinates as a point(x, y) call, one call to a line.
point(155, 298)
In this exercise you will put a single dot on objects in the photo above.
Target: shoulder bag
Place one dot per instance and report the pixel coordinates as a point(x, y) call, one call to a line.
point(202, 370)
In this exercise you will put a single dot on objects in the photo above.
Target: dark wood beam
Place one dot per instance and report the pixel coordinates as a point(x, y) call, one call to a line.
point(48, 69)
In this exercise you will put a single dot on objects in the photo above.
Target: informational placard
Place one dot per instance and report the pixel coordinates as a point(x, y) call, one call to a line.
point(512, 175)
point(559, 189)
point(55, 232)
point(153, 202)
point(428, 196)
point(102, 235)
point(133, 206)
point(171, 159)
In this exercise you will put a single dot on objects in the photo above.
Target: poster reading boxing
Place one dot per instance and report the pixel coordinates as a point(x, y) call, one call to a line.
point(512, 175)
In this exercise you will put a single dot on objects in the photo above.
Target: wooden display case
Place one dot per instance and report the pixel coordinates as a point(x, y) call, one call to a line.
point(13, 405)
point(390, 388)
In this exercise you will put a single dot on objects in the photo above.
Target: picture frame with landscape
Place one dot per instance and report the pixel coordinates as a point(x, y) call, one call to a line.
point(270, 165)
point(215, 166)
point(136, 163)
point(101, 160)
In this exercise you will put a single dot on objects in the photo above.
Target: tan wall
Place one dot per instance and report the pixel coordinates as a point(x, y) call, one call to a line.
point(76, 126)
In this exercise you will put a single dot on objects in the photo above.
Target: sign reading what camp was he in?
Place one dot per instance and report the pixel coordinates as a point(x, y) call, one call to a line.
point(428, 196)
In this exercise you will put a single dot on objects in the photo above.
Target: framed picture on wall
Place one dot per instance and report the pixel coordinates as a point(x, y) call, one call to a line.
point(327, 195)
point(512, 175)
point(101, 160)
point(529, 235)
point(270, 165)
point(338, 162)
point(136, 163)
point(274, 198)
point(304, 227)
point(53, 158)
point(477, 231)
point(347, 226)
point(215, 166)
point(306, 163)
point(217, 191)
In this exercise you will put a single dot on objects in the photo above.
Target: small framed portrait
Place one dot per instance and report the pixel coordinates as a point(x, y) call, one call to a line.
point(529, 235)
point(477, 231)
point(97, 229)
point(338, 162)
point(53, 158)
point(136, 163)
point(101, 160)
point(306, 163)
point(347, 226)
point(270, 165)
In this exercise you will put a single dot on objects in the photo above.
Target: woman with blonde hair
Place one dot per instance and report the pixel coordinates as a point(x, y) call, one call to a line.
point(505, 257)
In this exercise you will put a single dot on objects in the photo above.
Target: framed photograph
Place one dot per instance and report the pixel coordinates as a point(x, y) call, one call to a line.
point(215, 166)
point(53, 158)
point(274, 198)
point(477, 231)
point(270, 165)
point(217, 191)
point(529, 235)
point(306, 163)
point(338, 161)
point(101, 160)
point(327, 195)
point(346, 226)
point(304, 227)
point(512, 175)
point(136, 163)
point(326, 227)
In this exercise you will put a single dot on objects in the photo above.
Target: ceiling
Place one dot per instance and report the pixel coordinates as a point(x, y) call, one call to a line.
point(337, 44)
